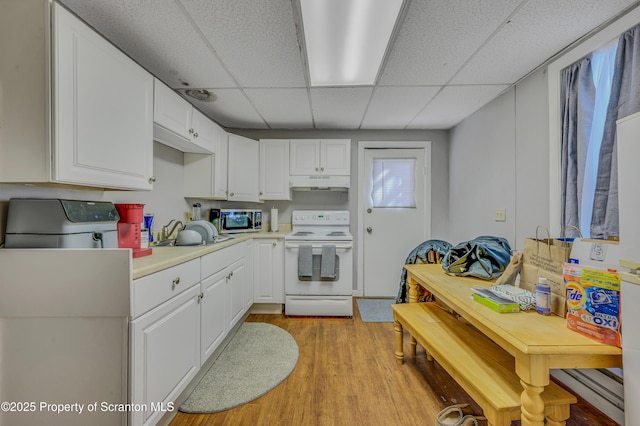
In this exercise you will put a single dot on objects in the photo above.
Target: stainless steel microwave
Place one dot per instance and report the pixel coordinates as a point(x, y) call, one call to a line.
point(232, 220)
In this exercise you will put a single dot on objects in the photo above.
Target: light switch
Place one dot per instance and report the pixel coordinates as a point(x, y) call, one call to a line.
point(501, 214)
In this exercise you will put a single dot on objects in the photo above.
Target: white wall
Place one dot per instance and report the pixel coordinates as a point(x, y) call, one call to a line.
point(499, 159)
point(482, 172)
point(439, 169)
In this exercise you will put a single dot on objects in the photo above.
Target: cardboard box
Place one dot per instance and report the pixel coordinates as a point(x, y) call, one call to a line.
point(529, 276)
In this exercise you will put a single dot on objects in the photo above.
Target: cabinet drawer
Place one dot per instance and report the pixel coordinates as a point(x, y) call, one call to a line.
point(155, 289)
point(218, 260)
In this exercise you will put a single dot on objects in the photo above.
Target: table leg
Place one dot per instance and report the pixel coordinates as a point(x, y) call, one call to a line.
point(413, 289)
point(413, 298)
point(533, 371)
point(398, 332)
point(532, 405)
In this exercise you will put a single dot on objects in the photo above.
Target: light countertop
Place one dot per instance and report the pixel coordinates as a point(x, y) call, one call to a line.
point(166, 257)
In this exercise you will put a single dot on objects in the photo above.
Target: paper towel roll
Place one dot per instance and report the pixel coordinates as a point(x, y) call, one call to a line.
point(274, 220)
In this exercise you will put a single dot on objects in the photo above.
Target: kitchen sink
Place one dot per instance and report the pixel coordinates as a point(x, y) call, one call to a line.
point(172, 242)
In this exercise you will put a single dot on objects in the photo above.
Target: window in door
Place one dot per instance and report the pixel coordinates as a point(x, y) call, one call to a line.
point(394, 183)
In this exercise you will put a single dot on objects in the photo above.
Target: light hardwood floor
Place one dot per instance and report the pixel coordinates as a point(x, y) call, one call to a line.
point(347, 375)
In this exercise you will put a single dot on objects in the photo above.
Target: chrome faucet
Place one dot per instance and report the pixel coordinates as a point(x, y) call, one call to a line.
point(166, 233)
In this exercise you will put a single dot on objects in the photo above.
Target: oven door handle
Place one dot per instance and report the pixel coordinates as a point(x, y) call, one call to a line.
point(343, 246)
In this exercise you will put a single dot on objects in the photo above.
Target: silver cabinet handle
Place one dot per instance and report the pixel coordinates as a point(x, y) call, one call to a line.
point(369, 229)
point(231, 194)
point(152, 179)
point(195, 135)
point(322, 169)
point(275, 244)
point(316, 169)
point(191, 131)
point(175, 282)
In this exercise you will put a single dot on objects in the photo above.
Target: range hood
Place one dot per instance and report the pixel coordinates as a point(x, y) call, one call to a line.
point(319, 183)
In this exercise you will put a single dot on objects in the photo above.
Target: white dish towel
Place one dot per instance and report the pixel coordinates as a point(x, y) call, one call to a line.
point(328, 264)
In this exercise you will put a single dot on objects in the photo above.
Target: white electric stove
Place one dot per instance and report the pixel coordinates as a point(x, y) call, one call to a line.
point(317, 234)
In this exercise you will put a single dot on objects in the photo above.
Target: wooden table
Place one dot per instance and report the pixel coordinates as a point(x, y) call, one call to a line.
point(537, 342)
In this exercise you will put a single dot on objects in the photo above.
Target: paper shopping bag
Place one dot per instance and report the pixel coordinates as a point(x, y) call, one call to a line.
point(546, 254)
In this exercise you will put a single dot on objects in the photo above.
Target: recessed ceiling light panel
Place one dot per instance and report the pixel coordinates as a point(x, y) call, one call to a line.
point(346, 39)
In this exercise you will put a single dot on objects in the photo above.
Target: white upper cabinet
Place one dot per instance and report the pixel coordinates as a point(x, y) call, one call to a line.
point(205, 175)
point(243, 169)
point(274, 169)
point(81, 111)
point(320, 157)
point(179, 125)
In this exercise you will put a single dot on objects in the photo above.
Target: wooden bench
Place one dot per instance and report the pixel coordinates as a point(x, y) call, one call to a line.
point(483, 369)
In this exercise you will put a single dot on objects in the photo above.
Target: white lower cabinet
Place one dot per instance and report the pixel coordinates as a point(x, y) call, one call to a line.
point(237, 276)
point(165, 355)
point(249, 275)
point(223, 296)
point(213, 313)
point(269, 271)
point(181, 315)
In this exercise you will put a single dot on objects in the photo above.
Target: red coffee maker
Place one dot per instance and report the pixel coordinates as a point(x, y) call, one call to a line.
point(131, 218)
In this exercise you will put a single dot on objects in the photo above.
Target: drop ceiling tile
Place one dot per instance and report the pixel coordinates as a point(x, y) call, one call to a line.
point(453, 104)
point(341, 108)
point(158, 35)
point(256, 40)
point(230, 109)
point(394, 107)
point(283, 108)
point(437, 37)
point(536, 32)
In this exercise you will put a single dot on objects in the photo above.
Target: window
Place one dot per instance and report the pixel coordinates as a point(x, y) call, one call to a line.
point(597, 90)
point(622, 30)
point(602, 66)
point(394, 182)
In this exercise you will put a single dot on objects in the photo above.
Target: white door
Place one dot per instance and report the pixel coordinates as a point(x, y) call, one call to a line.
point(396, 214)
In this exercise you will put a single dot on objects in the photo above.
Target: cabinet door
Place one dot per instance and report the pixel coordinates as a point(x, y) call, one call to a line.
point(213, 313)
point(165, 354)
point(102, 111)
point(304, 157)
point(243, 169)
point(248, 276)
point(205, 175)
point(171, 111)
point(269, 271)
point(236, 291)
point(335, 157)
point(221, 161)
point(204, 131)
point(274, 169)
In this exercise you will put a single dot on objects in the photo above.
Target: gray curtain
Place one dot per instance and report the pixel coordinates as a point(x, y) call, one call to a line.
point(578, 97)
point(624, 100)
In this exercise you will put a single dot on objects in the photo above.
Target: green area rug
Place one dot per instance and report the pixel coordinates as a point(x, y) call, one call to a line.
point(258, 358)
point(375, 310)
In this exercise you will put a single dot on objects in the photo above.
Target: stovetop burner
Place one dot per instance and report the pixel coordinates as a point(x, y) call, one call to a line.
point(320, 225)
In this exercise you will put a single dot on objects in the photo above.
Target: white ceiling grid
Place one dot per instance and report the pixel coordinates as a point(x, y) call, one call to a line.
point(449, 57)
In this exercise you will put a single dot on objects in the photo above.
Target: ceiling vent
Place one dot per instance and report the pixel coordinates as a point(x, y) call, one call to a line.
point(201, 94)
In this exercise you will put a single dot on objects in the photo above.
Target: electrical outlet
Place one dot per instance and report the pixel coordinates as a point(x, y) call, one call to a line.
point(501, 214)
